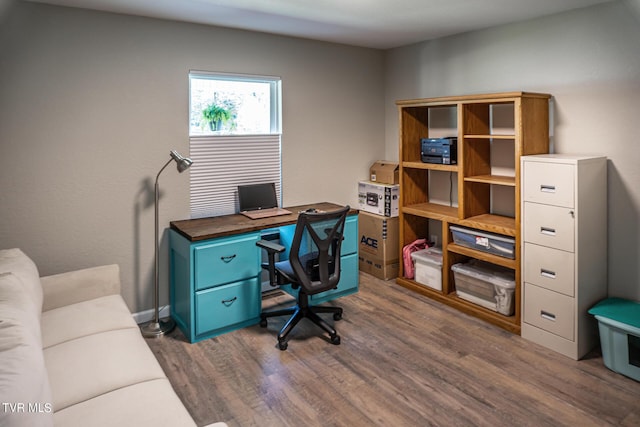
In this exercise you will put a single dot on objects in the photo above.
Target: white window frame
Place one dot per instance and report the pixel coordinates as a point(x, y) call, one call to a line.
point(222, 162)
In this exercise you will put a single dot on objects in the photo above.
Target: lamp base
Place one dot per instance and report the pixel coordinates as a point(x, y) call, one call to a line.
point(157, 329)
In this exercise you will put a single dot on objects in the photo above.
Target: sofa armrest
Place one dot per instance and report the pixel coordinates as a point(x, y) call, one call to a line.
point(81, 285)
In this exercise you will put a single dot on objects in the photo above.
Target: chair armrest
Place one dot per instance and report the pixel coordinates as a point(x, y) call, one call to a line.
point(270, 246)
point(72, 287)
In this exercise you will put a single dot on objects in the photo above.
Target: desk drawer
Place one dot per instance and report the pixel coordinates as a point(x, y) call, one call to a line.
point(349, 244)
point(549, 226)
point(224, 306)
point(348, 279)
point(226, 260)
point(549, 268)
point(549, 310)
point(549, 183)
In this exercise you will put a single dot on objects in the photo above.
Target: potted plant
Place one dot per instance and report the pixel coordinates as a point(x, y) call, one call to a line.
point(216, 116)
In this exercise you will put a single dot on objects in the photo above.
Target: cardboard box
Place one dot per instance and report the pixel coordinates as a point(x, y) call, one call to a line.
point(384, 172)
point(378, 250)
point(379, 199)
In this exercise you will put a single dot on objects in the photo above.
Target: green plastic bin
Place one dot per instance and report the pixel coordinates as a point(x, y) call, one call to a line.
point(619, 327)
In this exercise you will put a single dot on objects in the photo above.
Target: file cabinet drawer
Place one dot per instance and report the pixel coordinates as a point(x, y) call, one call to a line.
point(549, 310)
point(549, 183)
point(549, 226)
point(226, 260)
point(225, 306)
point(549, 268)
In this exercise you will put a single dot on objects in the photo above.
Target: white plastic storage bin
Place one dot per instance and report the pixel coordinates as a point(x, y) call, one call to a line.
point(487, 242)
point(428, 267)
point(487, 285)
point(619, 327)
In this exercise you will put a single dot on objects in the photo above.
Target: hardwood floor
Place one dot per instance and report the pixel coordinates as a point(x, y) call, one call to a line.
point(404, 360)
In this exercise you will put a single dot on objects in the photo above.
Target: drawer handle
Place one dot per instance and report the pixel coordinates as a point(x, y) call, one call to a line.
point(227, 259)
point(548, 188)
point(548, 231)
point(547, 315)
point(228, 302)
point(547, 273)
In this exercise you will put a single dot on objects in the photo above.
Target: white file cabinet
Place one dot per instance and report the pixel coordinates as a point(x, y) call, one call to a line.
point(564, 249)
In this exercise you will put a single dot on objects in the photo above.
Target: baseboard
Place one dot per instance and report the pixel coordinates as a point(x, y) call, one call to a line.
point(147, 315)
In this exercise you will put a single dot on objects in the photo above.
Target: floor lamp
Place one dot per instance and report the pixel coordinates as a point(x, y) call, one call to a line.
point(157, 328)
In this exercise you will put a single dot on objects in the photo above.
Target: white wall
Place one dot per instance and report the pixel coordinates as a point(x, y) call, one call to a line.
point(91, 104)
point(589, 60)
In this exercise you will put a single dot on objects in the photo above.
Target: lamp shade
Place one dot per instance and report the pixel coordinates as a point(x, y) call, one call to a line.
point(182, 163)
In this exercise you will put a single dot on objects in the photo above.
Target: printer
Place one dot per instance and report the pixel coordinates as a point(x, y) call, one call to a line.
point(443, 151)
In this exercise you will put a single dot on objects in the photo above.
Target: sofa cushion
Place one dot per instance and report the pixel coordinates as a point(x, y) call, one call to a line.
point(85, 318)
point(68, 288)
point(24, 386)
point(17, 262)
point(87, 367)
point(156, 404)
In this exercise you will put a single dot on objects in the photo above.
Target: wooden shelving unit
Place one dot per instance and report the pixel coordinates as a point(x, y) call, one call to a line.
point(493, 132)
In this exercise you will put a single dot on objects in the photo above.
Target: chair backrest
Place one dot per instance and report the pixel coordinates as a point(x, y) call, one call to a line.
point(315, 249)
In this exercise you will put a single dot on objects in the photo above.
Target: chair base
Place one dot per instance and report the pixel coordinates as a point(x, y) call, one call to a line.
point(297, 313)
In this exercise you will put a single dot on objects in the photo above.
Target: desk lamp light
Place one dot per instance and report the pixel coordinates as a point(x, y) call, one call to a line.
point(157, 328)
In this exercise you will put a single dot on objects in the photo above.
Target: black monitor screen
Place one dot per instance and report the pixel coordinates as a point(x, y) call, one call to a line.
point(257, 196)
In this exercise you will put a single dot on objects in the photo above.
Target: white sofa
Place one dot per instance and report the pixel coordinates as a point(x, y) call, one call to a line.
point(72, 355)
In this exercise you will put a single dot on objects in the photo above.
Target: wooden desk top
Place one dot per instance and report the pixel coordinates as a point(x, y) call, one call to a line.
point(227, 225)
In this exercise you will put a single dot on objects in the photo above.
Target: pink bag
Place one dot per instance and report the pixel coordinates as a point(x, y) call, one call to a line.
point(406, 256)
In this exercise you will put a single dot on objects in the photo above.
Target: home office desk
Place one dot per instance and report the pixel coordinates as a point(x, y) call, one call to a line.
point(215, 273)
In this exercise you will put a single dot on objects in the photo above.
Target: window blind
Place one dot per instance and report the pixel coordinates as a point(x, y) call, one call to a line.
point(221, 163)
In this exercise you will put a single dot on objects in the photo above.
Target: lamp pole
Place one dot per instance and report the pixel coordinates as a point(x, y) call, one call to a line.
point(157, 327)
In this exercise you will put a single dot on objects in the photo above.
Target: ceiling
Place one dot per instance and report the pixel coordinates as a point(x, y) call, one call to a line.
point(379, 24)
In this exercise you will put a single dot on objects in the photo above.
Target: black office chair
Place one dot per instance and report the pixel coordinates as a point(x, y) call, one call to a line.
point(313, 267)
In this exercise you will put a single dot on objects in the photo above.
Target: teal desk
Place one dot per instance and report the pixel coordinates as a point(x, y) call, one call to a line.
point(215, 273)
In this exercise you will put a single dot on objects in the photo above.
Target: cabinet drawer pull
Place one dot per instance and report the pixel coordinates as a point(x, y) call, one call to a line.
point(548, 231)
point(547, 273)
point(228, 302)
point(547, 315)
point(548, 188)
point(227, 259)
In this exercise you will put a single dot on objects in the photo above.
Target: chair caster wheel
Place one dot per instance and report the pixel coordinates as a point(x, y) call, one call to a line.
point(335, 340)
point(337, 316)
point(282, 345)
point(263, 323)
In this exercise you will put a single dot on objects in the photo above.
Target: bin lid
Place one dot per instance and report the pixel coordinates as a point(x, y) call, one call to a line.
point(618, 309)
point(487, 272)
point(428, 256)
point(474, 232)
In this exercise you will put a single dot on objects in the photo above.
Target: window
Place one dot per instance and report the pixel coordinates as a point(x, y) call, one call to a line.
point(234, 133)
point(233, 104)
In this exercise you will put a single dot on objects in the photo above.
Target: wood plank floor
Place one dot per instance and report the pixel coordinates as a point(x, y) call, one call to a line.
point(404, 360)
